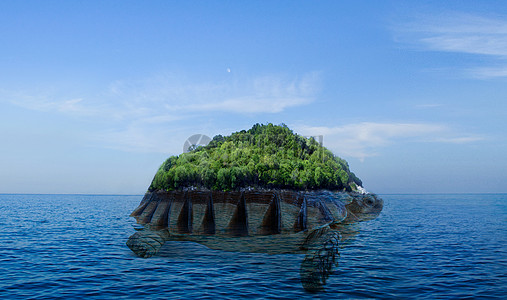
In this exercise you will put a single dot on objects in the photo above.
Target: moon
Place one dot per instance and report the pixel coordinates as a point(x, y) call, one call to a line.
point(228, 70)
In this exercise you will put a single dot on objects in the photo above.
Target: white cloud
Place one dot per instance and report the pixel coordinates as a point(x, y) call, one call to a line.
point(488, 72)
point(362, 140)
point(173, 96)
point(459, 140)
point(269, 94)
point(249, 105)
point(134, 114)
point(461, 33)
point(169, 95)
point(43, 101)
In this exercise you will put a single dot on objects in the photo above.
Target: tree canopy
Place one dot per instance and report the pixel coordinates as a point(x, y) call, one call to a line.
point(265, 156)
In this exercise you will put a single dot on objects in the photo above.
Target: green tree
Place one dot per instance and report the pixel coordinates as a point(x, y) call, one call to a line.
point(265, 155)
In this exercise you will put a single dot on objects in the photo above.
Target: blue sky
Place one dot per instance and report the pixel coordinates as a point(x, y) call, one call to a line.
point(94, 95)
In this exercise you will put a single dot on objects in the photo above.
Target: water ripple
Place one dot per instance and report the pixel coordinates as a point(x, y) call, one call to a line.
point(422, 246)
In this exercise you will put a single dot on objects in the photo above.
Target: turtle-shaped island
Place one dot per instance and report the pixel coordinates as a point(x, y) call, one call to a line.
point(265, 190)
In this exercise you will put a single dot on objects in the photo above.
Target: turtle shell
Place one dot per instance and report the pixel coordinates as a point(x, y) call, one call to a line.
point(240, 213)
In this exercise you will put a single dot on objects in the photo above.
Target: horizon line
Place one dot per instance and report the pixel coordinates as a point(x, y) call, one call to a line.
point(142, 194)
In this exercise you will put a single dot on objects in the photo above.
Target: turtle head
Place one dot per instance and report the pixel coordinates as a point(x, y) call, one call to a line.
point(330, 204)
point(363, 207)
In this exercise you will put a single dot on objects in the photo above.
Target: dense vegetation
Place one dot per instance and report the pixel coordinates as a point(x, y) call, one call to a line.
point(267, 156)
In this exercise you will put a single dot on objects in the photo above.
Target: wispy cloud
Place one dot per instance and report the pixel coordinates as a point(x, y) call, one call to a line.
point(134, 114)
point(362, 140)
point(461, 33)
point(45, 102)
point(250, 105)
point(460, 140)
point(170, 95)
point(268, 94)
point(487, 72)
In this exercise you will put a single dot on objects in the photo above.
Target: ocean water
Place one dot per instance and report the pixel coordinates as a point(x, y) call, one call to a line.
point(450, 246)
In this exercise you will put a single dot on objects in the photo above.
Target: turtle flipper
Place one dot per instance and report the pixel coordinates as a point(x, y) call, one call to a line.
point(146, 243)
point(321, 256)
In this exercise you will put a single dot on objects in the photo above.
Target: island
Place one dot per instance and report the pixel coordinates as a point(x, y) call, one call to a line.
point(264, 190)
point(265, 156)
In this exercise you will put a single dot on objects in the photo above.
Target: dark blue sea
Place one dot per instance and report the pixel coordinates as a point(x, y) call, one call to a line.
point(450, 246)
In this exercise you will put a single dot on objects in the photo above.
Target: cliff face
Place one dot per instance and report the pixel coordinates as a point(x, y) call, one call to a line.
point(265, 156)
